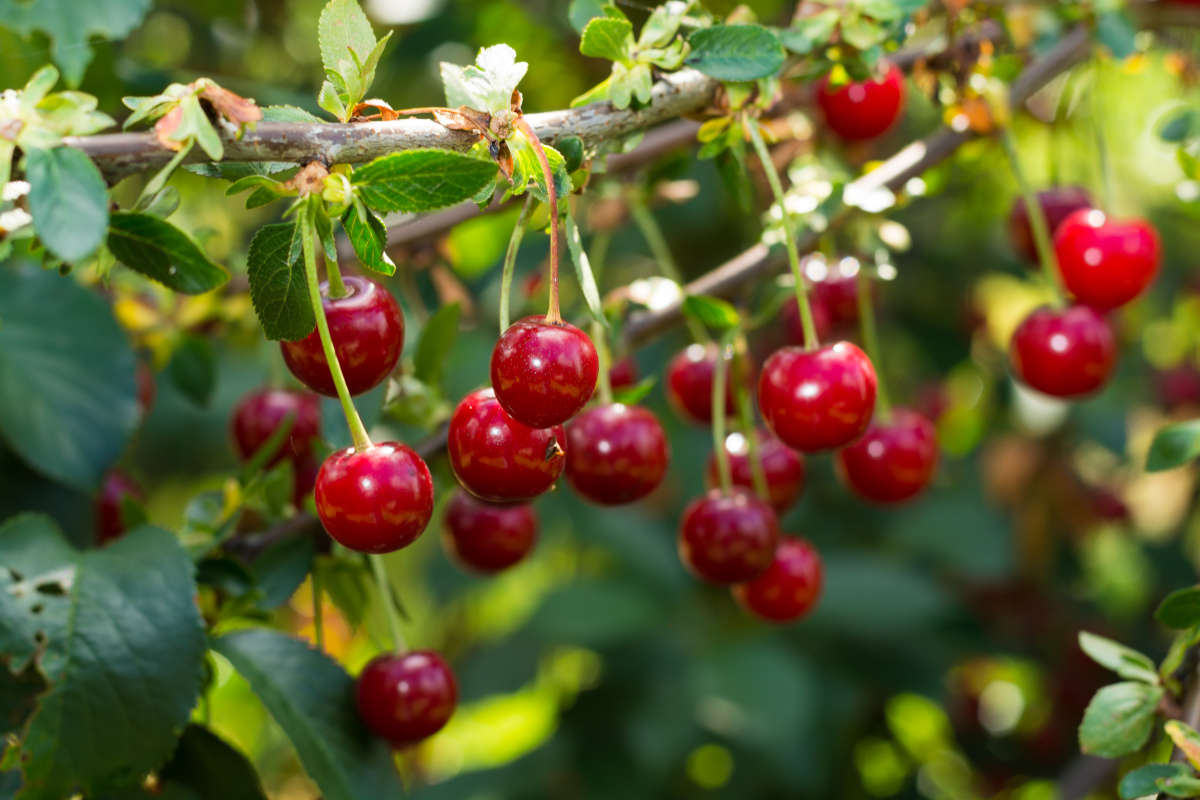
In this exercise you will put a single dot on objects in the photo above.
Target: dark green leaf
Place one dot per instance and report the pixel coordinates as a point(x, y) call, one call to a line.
point(312, 699)
point(159, 250)
point(1180, 609)
point(1180, 785)
point(1181, 125)
point(711, 311)
point(436, 342)
point(571, 148)
point(67, 200)
point(1174, 446)
point(210, 769)
point(1143, 780)
point(70, 25)
point(1116, 31)
point(595, 613)
point(1125, 661)
point(193, 369)
point(421, 180)
point(368, 236)
point(278, 289)
point(736, 52)
point(282, 567)
point(606, 37)
point(1119, 719)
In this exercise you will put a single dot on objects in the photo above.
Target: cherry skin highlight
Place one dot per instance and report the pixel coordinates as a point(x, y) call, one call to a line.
point(789, 588)
point(783, 468)
point(1064, 353)
point(106, 508)
point(819, 399)
point(690, 379)
point(367, 329)
point(1057, 204)
point(1106, 263)
point(544, 373)
point(406, 697)
point(616, 454)
point(834, 286)
point(488, 538)
point(727, 538)
point(862, 110)
point(893, 461)
point(498, 459)
point(377, 500)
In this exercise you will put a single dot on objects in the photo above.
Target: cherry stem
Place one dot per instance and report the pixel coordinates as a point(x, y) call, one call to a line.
point(811, 341)
point(603, 379)
point(333, 273)
point(870, 337)
point(720, 374)
point(661, 252)
point(510, 262)
point(1037, 218)
point(389, 602)
point(358, 431)
point(746, 412)
point(318, 611)
point(553, 312)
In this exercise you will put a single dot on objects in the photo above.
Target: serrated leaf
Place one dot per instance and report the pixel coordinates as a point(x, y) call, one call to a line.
point(735, 52)
point(1119, 719)
point(608, 38)
point(662, 25)
point(436, 342)
point(583, 271)
point(528, 173)
point(1125, 661)
point(809, 32)
point(67, 200)
point(280, 569)
point(368, 237)
point(193, 369)
point(208, 768)
point(343, 29)
point(711, 311)
point(1180, 609)
point(1144, 780)
point(580, 12)
point(159, 250)
point(1186, 739)
point(421, 180)
point(312, 699)
point(1174, 445)
point(71, 24)
point(278, 290)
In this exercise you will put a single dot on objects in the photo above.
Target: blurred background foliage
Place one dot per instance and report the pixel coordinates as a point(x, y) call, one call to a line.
point(941, 662)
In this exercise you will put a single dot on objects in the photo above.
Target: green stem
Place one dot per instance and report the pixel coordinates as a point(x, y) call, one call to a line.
point(749, 429)
point(358, 431)
point(1037, 217)
point(811, 341)
point(333, 273)
point(603, 380)
point(318, 611)
point(866, 320)
point(389, 603)
point(661, 252)
point(510, 261)
point(720, 371)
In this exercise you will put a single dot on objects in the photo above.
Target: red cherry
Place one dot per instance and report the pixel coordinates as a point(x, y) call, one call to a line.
point(367, 329)
point(783, 468)
point(817, 399)
point(727, 538)
point(1057, 204)
point(865, 109)
point(690, 379)
point(498, 459)
point(616, 454)
point(106, 508)
point(1178, 387)
point(543, 373)
point(259, 413)
point(623, 374)
point(485, 537)
point(1107, 504)
point(1105, 263)
point(407, 697)
point(146, 388)
point(822, 320)
point(893, 460)
point(1064, 353)
point(789, 588)
point(376, 500)
point(834, 286)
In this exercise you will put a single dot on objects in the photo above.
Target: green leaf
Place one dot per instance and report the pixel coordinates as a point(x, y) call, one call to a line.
point(583, 271)
point(274, 265)
point(421, 180)
point(312, 699)
point(68, 201)
point(736, 52)
point(1180, 609)
point(1119, 719)
point(68, 400)
point(1181, 125)
point(193, 369)
point(368, 236)
point(636, 393)
point(343, 29)
point(594, 612)
point(208, 768)
point(436, 342)
point(1180, 785)
point(861, 33)
point(488, 84)
point(281, 568)
point(711, 311)
point(1125, 661)
point(1174, 445)
point(580, 12)
point(1116, 31)
point(605, 37)
point(70, 25)
point(162, 252)
point(1143, 780)
point(1186, 739)
point(662, 25)
point(123, 652)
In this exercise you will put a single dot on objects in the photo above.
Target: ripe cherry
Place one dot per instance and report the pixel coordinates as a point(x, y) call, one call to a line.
point(616, 453)
point(147, 390)
point(1178, 387)
point(544, 372)
point(789, 588)
point(407, 697)
point(893, 460)
point(498, 459)
point(1065, 353)
point(727, 538)
point(833, 285)
point(486, 537)
point(817, 399)
point(783, 468)
point(1057, 204)
point(622, 374)
point(114, 489)
point(367, 329)
point(375, 500)
point(862, 110)
point(690, 380)
point(259, 413)
point(822, 320)
point(1104, 262)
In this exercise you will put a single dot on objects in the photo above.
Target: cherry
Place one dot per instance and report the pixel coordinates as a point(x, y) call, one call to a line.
point(862, 110)
point(1105, 263)
point(689, 383)
point(822, 319)
point(543, 372)
point(106, 508)
point(1107, 504)
point(1064, 353)
point(616, 453)
point(622, 374)
point(834, 286)
point(1057, 204)
point(367, 329)
point(375, 500)
point(789, 588)
point(1178, 387)
point(893, 460)
point(498, 459)
point(727, 538)
point(407, 697)
point(817, 399)
point(147, 390)
point(259, 413)
point(782, 466)
point(486, 537)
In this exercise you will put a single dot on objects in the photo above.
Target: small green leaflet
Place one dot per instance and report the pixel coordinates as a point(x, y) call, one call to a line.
point(1180, 609)
point(735, 52)
point(605, 37)
point(711, 311)
point(70, 25)
point(421, 180)
point(349, 53)
point(1125, 661)
point(159, 250)
point(67, 200)
point(368, 236)
point(1174, 446)
point(1144, 780)
point(278, 290)
point(1119, 719)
